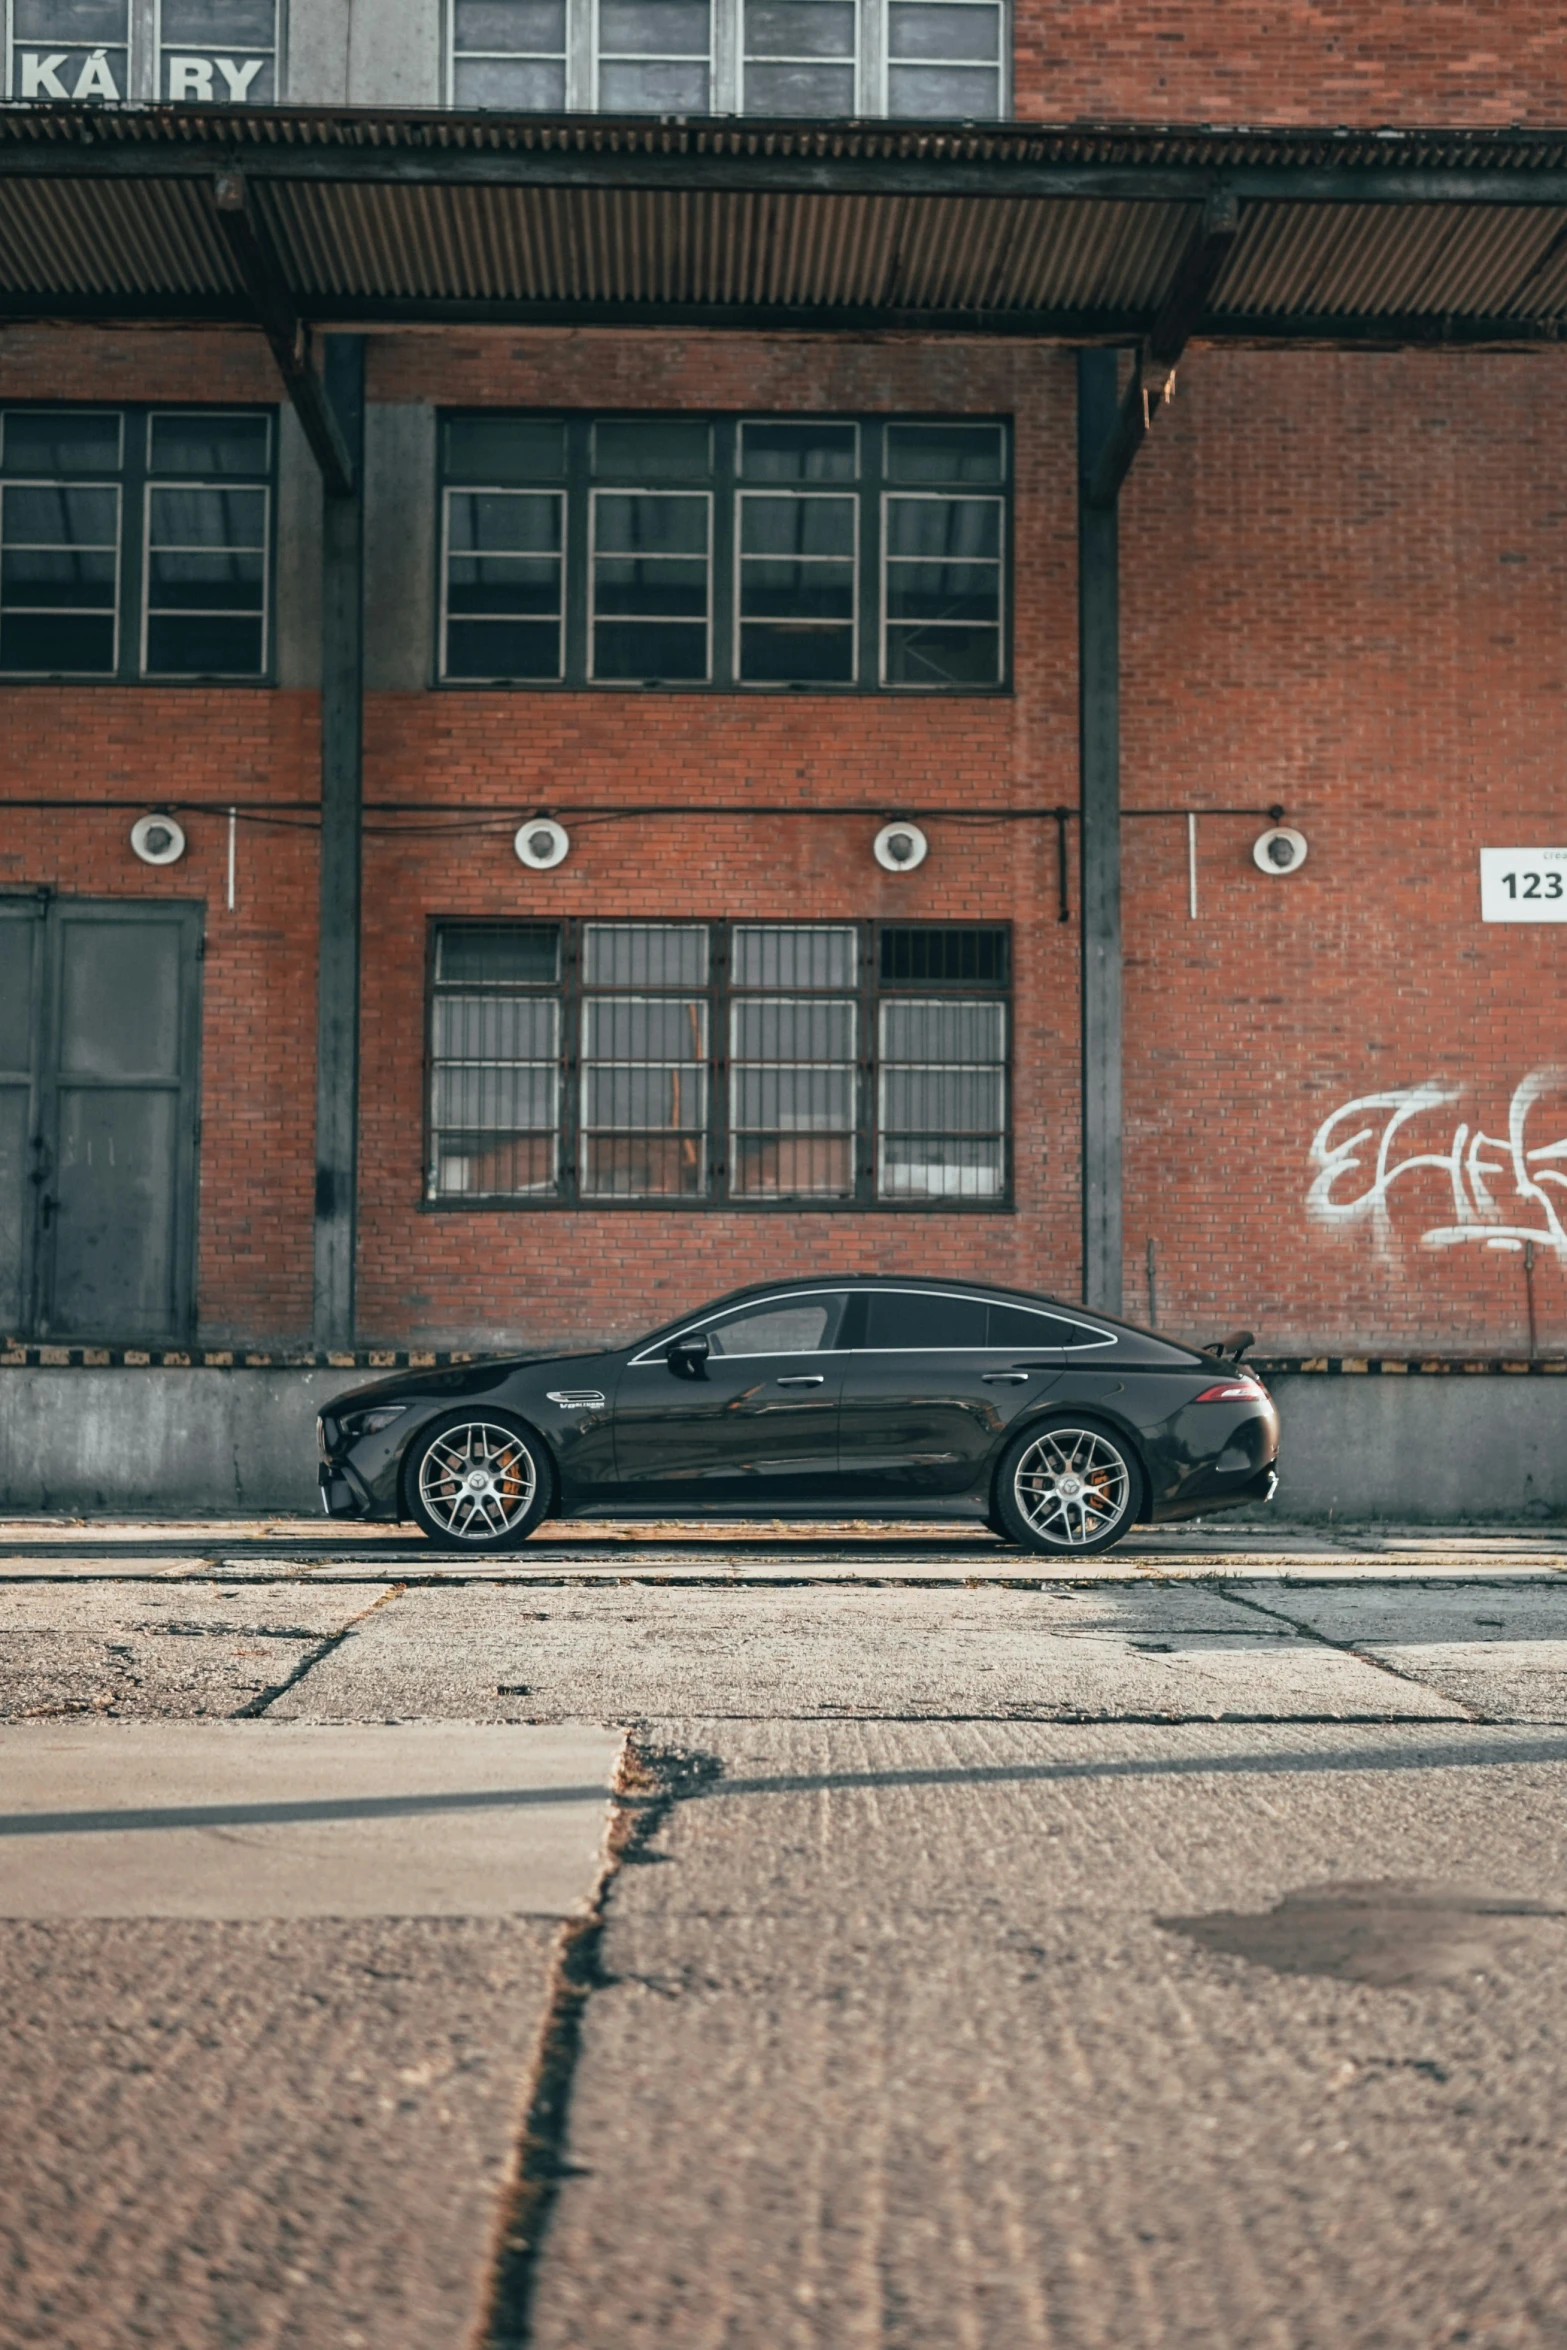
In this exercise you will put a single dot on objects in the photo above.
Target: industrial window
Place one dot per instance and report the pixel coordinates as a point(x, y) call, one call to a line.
point(697, 1064)
point(205, 52)
point(134, 542)
point(933, 59)
point(781, 553)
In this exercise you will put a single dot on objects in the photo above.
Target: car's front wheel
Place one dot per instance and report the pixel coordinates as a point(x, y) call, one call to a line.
point(478, 1481)
point(1067, 1488)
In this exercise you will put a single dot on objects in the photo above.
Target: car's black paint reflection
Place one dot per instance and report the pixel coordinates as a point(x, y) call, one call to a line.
point(877, 1397)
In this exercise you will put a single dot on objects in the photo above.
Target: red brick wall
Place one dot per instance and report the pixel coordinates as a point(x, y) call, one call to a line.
point(1343, 580)
point(1415, 62)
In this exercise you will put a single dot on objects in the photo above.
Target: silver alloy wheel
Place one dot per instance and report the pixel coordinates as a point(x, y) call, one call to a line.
point(477, 1481)
point(1072, 1485)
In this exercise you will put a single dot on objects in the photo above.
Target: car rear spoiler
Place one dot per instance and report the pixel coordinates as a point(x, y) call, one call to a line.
point(1230, 1349)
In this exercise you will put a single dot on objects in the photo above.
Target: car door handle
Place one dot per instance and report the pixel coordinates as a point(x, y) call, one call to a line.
point(803, 1379)
point(1005, 1378)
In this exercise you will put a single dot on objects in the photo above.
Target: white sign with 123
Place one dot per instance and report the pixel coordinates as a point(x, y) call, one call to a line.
point(1523, 885)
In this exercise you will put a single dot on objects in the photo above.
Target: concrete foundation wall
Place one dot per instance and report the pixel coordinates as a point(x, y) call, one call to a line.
point(171, 1441)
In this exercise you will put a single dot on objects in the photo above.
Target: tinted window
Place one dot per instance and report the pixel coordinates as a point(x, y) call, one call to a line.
point(1020, 1326)
point(921, 1318)
point(775, 1329)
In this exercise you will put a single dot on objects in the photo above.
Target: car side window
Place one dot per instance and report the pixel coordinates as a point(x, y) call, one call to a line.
point(1020, 1326)
point(922, 1319)
point(801, 1328)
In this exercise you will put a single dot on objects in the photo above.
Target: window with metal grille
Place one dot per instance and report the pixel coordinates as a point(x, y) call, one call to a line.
point(135, 542)
point(746, 1064)
point(202, 52)
point(783, 553)
point(933, 59)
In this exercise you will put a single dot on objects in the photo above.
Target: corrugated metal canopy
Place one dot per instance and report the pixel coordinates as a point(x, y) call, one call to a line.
point(375, 217)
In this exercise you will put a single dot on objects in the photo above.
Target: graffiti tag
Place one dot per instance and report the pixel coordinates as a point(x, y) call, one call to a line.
point(1506, 1189)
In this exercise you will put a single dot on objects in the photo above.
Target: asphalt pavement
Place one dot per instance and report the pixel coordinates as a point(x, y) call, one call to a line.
point(743, 1938)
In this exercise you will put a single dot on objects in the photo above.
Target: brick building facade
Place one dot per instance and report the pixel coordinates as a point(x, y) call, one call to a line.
point(1341, 582)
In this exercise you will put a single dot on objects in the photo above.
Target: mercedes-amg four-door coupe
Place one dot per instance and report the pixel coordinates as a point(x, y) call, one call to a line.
point(833, 1398)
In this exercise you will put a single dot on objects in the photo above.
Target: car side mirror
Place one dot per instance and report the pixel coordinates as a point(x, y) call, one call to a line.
point(687, 1358)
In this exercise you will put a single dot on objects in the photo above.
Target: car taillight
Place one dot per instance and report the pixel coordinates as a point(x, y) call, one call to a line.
point(1232, 1391)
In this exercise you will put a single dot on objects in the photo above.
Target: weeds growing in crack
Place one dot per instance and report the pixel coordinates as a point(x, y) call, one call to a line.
point(649, 1782)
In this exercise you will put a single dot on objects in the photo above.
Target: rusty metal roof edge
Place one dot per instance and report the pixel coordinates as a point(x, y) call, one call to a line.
point(1515, 149)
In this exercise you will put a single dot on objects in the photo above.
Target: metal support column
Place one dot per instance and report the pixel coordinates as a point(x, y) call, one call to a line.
point(342, 734)
point(1099, 834)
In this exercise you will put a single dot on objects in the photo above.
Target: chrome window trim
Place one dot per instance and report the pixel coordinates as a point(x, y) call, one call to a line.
point(1101, 1338)
point(752, 1305)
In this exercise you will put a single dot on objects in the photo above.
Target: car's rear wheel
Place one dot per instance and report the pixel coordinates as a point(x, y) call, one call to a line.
point(1068, 1488)
point(478, 1481)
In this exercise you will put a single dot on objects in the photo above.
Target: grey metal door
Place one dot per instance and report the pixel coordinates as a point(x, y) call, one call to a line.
point(98, 1106)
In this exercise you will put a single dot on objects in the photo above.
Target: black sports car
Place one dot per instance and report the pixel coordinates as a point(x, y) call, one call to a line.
point(819, 1399)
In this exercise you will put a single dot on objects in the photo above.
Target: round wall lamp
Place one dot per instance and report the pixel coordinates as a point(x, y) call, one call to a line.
point(1280, 850)
point(541, 843)
point(898, 848)
point(158, 840)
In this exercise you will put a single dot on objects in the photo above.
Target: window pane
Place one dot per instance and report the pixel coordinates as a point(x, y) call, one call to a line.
point(198, 444)
point(503, 584)
point(626, 954)
point(219, 52)
point(950, 1032)
point(1018, 1326)
point(203, 647)
point(54, 645)
point(796, 525)
point(945, 452)
point(775, 956)
point(505, 521)
point(653, 28)
point(61, 440)
point(206, 518)
point(799, 28)
point(204, 583)
point(924, 1167)
point(479, 1166)
point(944, 591)
point(663, 524)
point(793, 1101)
point(644, 1028)
point(40, 515)
point(799, 452)
point(943, 656)
point(650, 448)
point(941, 1101)
point(792, 1028)
point(932, 528)
point(773, 1330)
point(71, 23)
point(653, 89)
point(643, 1166)
point(496, 1027)
point(918, 29)
point(510, 28)
point(516, 85)
point(57, 582)
point(918, 1319)
point(511, 954)
point(207, 24)
point(922, 953)
point(809, 90)
point(944, 93)
point(666, 590)
point(504, 650)
point(505, 448)
point(479, 1099)
point(645, 1098)
point(789, 653)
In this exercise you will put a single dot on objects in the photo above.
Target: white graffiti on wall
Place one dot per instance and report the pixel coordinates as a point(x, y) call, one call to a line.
point(1506, 1189)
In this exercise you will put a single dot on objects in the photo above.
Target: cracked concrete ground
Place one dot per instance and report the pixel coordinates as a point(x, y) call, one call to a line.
point(883, 2041)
